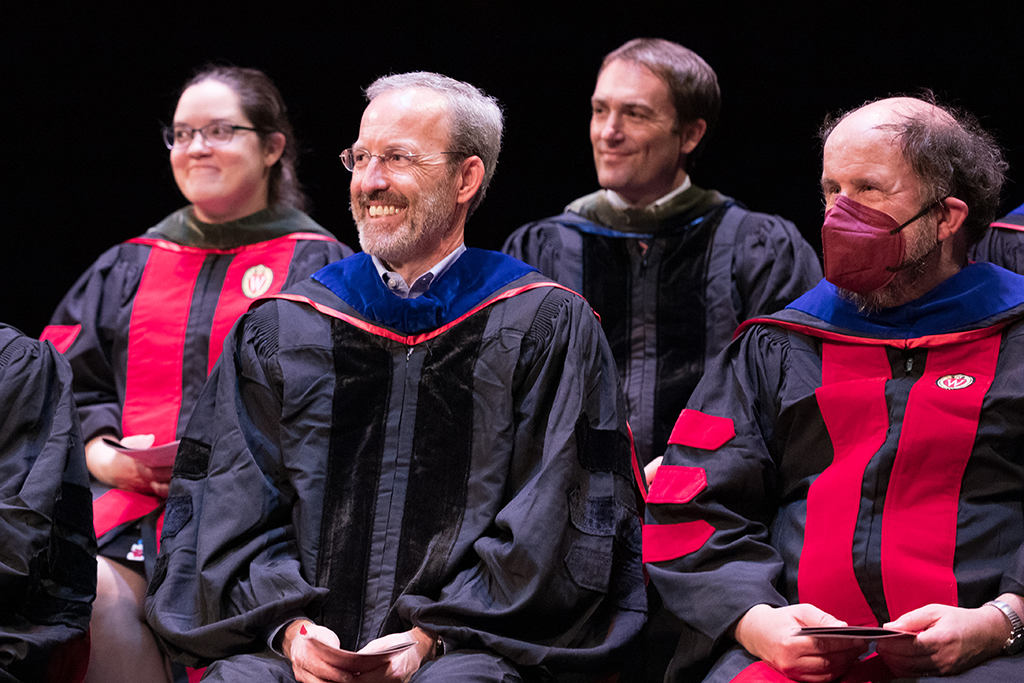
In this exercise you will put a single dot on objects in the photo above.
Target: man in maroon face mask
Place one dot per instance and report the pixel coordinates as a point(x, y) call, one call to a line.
point(888, 236)
point(855, 460)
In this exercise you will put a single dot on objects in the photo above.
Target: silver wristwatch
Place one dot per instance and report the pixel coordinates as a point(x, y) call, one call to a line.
point(1015, 643)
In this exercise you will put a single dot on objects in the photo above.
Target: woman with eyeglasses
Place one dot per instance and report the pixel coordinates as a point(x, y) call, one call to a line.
point(145, 324)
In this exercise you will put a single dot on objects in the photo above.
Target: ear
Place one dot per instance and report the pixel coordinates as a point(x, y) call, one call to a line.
point(471, 175)
point(954, 213)
point(273, 148)
point(690, 135)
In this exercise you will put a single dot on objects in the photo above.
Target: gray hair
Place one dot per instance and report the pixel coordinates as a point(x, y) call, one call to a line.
point(475, 118)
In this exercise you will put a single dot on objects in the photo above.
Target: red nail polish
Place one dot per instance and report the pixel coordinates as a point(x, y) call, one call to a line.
point(302, 630)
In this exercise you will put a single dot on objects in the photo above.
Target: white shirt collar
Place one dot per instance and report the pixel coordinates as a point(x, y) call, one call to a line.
point(396, 283)
point(616, 200)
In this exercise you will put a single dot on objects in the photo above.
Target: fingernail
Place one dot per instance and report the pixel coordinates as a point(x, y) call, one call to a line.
point(302, 630)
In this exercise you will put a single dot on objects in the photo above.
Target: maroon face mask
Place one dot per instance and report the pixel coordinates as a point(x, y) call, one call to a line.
point(863, 247)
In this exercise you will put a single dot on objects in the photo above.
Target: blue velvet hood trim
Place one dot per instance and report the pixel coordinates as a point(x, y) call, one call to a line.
point(978, 292)
point(475, 275)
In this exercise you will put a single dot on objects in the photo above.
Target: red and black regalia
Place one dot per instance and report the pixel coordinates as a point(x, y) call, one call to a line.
point(866, 463)
point(145, 324)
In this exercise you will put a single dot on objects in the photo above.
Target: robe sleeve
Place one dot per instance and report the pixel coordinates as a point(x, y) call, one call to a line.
point(549, 247)
point(48, 553)
point(86, 326)
point(706, 539)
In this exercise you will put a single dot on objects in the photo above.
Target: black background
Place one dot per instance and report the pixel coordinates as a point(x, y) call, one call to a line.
point(85, 92)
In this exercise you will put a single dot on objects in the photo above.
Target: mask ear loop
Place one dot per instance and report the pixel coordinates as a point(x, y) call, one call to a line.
point(930, 207)
point(923, 212)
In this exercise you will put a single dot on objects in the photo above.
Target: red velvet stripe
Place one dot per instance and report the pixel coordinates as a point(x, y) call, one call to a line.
point(925, 342)
point(677, 485)
point(69, 660)
point(699, 430)
point(852, 404)
point(61, 336)
point(669, 541)
point(920, 515)
point(116, 507)
point(276, 255)
point(413, 339)
point(156, 342)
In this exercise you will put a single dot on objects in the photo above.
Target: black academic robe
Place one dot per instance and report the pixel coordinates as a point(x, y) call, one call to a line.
point(47, 551)
point(671, 290)
point(458, 462)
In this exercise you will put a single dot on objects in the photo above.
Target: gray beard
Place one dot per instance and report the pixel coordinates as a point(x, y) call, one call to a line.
point(419, 234)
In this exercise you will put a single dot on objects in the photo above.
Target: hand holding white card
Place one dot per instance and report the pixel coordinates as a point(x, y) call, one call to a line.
point(357, 662)
point(157, 456)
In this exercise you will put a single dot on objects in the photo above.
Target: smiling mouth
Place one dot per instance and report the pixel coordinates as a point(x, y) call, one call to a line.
point(612, 158)
point(376, 210)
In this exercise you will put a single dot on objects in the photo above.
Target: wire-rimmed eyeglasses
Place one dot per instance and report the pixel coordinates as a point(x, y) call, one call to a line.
point(395, 159)
point(216, 134)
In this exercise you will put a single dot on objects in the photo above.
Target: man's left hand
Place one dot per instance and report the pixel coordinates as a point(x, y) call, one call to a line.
point(402, 666)
point(948, 641)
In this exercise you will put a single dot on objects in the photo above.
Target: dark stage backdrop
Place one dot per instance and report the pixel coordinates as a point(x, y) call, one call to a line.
point(85, 93)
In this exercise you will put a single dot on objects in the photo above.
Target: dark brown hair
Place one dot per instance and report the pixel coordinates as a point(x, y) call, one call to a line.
point(263, 105)
point(691, 82)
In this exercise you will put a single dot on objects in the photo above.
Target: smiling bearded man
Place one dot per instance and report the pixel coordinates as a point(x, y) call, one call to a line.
point(435, 439)
point(425, 225)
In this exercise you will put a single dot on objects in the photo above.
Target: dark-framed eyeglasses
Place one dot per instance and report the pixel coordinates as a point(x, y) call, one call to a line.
point(216, 134)
point(394, 159)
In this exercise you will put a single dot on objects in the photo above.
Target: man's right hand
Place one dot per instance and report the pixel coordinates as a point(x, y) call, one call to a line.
point(124, 472)
point(769, 633)
point(307, 665)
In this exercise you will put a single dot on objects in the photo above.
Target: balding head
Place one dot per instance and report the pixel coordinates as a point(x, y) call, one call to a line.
point(894, 109)
point(947, 151)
